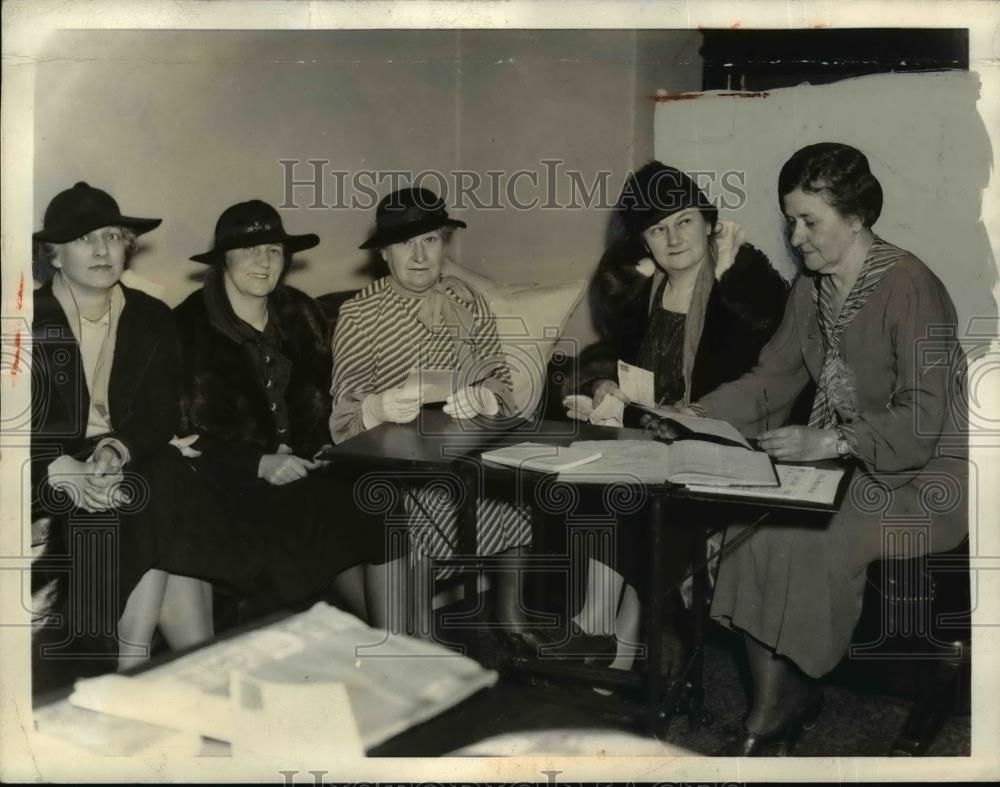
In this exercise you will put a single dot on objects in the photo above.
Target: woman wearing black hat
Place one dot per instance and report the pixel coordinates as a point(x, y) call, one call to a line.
point(683, 296)
point(104, 369)
point(255, 378)
point(417, 318)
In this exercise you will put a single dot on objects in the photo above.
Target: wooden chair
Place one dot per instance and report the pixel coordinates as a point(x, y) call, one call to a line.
point(917, 612)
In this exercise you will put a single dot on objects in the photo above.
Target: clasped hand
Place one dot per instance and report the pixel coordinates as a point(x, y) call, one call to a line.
point(285, 467)
point(799, 443)
point(94, 485)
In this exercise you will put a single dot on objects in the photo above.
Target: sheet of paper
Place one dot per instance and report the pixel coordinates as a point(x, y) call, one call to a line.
point(435, 385)
point(798, 482)
point(636, 383)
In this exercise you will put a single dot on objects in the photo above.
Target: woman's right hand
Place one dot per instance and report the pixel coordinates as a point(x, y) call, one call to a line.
point(284, 468)
point(604, 388)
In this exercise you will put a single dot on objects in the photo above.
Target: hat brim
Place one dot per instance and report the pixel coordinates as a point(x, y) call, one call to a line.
point(389, 235)
point(292, 244)
point(72, 231)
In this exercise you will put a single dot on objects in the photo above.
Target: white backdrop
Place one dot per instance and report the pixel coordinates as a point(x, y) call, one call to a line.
point(925, 142)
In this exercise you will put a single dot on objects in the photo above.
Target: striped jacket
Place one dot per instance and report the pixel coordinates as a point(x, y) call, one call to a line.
point(381, 337)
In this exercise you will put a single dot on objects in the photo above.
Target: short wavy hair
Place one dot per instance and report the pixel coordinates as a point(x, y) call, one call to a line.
point(837, 172)
point(43, 252)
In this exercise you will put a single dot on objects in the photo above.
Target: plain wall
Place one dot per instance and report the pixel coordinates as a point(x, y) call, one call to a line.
point(931, 153)
point(181, 124)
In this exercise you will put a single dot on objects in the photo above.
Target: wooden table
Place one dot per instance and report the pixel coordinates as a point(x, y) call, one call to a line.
point(449, 449)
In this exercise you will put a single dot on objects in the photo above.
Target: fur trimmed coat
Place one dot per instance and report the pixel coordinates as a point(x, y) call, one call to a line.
point(296, 537)
point(224, 401)
point(741, 313)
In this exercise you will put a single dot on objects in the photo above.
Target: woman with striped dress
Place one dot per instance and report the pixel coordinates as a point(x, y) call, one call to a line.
point(417, 319)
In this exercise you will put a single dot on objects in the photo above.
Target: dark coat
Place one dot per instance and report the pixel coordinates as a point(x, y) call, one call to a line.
point(743, 311)
point(295, 537)
point(142, 393)
point(223, 400)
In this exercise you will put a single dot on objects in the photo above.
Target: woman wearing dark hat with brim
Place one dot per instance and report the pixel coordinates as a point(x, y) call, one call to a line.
point(682, 295)
point(255, 379)
point(104, 371)
point(417, 318)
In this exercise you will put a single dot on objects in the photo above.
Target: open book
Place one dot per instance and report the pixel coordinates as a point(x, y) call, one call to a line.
point(689, 427)
point(680, 462)
point(540, 457)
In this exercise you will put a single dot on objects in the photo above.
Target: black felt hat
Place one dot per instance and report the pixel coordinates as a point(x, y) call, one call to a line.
point(251, 223)
point(82, 209)
point(656, 191)
point(407, 213)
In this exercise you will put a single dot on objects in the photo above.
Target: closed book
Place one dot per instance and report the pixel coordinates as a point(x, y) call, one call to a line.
point(541, 457)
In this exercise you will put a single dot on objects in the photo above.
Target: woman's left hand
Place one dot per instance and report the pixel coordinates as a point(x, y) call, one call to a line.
point(728, 240)
point(799, 443)
point(471, 401)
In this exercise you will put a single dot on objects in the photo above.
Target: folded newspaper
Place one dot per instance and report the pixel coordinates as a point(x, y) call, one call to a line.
point(306, 677)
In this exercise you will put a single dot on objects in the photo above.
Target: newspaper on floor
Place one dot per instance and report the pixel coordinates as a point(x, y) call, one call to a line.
point(309, 674)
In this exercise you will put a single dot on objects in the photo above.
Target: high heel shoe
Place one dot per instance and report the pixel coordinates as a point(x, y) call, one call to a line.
point(780, 742)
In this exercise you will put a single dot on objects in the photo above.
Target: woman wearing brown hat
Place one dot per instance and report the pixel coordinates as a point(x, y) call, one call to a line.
point(417, 318)
point(255, 378)
point(683, 296)
point(104, 369)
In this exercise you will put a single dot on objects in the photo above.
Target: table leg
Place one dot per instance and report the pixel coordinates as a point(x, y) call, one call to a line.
point(699, 613)
point(467, 531)
point(654, 613)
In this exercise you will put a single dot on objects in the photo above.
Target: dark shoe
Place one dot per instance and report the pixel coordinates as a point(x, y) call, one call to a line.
point(781, 741)
point(563, 643)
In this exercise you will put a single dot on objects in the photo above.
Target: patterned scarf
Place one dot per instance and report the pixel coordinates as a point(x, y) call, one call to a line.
point(694, 323)
point(836, 399)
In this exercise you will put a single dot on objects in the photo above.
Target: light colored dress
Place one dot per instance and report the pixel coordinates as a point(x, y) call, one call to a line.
point(385, 332)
